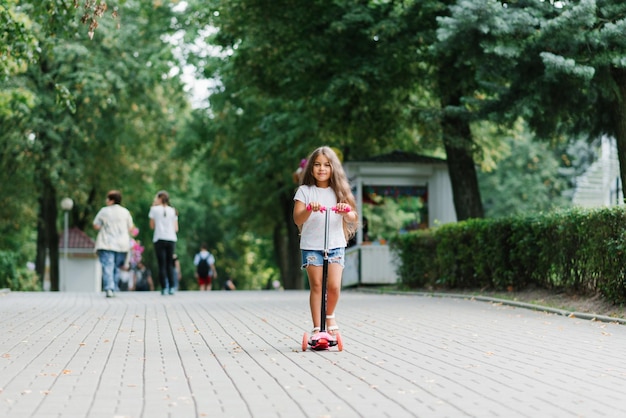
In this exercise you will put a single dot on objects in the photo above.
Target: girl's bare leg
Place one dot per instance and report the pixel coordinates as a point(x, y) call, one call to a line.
point(333, 290)
point(315, 297)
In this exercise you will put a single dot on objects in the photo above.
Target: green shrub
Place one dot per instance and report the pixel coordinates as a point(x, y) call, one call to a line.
point(583, 251)
point(14, 277)
point(415, 250)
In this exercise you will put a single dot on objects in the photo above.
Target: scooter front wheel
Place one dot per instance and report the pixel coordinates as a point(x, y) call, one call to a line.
point(339, 341)
point(305, 341)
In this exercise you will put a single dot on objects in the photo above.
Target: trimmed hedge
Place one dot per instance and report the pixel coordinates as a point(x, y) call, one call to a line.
point(579, 250)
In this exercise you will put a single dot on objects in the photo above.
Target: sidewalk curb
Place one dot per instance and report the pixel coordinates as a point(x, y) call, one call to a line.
point(5, 290)
point(562, 312)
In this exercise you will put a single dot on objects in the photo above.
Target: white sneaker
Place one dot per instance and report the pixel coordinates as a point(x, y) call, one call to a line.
point(109, 293)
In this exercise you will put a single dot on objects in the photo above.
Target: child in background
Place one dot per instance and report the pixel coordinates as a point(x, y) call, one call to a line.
point(324, 185)
point(205, 267)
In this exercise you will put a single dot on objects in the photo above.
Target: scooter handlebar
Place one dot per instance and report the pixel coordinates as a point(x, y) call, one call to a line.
point(310, 208)
point(334, 209)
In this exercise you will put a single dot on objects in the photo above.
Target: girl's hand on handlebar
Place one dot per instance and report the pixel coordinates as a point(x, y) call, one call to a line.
point(315, 206)
point(342, 208)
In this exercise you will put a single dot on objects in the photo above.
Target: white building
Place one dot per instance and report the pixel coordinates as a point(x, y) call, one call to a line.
point(373, 263)
point(80, 271)
point(601, 186)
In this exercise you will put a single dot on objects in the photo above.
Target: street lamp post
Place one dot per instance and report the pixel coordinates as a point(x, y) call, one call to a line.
point(66, 204)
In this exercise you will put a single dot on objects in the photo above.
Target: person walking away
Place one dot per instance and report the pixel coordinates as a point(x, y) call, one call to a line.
point(205, 268)
point(164, 222)
point(324, 185)
point(114, 224)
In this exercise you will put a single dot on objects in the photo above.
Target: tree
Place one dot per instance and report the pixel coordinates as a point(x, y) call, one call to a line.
point(358, 76)
point(22, 23)
point(527, 177)
point(102, 113)
point(558, 65)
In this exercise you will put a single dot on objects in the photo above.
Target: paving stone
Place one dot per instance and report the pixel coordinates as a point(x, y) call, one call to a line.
point(238, 354)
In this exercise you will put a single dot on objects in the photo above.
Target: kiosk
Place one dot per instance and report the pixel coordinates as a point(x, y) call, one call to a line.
point(393, 175)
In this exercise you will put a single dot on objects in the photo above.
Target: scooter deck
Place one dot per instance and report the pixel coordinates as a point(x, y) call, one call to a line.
point(321, 341)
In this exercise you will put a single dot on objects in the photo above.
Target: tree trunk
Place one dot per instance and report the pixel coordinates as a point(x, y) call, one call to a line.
point(47, 234)
point(288, 251)
point(619, 75)
point(40, 257)
point(294, 272)
point(458, 143)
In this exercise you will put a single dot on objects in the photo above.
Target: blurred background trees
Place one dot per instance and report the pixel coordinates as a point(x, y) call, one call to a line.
point(96, 98)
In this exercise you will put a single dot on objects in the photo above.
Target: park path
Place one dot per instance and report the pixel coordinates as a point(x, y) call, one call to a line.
point(238, 354)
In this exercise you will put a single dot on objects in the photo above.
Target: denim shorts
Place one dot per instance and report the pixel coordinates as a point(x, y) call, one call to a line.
point(316, 257)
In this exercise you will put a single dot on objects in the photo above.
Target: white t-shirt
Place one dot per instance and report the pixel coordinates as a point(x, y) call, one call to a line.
point(115, 223)
point(164, 220)
point(312, 237)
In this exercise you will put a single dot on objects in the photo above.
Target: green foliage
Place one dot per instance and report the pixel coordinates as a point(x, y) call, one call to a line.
point(86, 116)
point(15, 277)
point(390, 216)
point(415, 252)
point(81, 116)
point(578, 250)
point(474, 254)
point(294, 78)
point(207, 216)
point(23, 22)
point(557, 65)
point(526, 179)
point(329, 62)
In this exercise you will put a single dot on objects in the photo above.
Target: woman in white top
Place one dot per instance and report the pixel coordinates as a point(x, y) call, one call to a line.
point(324, 185)
point(164, 222)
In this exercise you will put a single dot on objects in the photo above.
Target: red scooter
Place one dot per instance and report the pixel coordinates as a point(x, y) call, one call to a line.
point(323, 340)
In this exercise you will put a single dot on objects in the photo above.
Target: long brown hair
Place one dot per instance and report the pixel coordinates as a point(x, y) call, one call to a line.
point(338, 182)
point(164, 196)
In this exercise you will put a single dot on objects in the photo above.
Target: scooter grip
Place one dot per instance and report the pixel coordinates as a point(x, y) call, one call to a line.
point(309, 208)
point(336, 209)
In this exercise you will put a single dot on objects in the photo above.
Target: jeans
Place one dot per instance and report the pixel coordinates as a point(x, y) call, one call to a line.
point(316, 257)
point(165, 256)
point(111, 262)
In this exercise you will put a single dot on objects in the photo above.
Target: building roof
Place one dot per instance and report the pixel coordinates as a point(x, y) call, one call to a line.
point(398, 156)
point(77, 239)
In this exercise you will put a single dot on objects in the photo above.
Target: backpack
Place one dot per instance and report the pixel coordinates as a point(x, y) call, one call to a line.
point(203, 267)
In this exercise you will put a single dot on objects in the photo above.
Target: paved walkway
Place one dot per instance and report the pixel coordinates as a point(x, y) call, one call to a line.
point(238, 354)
